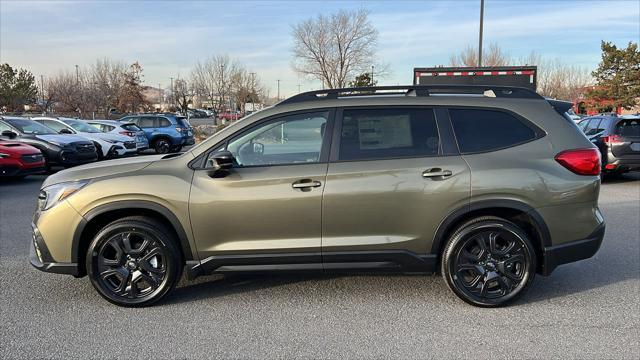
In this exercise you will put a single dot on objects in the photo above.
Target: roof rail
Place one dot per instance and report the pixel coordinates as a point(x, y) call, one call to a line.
point(414, 90)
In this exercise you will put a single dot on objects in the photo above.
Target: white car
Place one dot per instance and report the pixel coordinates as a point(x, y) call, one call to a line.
point(128, 129)
point(108, 145)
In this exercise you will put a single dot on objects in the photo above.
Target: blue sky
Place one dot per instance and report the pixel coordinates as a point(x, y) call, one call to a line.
point(168, 37)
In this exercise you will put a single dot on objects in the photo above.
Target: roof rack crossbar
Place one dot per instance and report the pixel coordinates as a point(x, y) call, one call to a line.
point(414, 90)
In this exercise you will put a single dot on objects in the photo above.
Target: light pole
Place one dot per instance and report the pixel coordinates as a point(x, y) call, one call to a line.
point(278, 89)
point(372, 84)
point(160, 96)
point(480, 36)
point(77, 75)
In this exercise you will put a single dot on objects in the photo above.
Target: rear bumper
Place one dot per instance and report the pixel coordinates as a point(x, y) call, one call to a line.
point(555, 256)
point(41, 259)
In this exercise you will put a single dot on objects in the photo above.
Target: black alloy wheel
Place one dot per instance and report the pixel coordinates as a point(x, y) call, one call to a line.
point(162, 146)
point(489, 262)
point(133, 262)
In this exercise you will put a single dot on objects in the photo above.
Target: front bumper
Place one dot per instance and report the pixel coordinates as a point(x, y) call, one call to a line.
point(72, 157)
point(41, 259)
point(12, 170)
point(555, 256)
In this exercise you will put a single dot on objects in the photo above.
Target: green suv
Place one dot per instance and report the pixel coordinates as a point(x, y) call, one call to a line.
point(486, 185)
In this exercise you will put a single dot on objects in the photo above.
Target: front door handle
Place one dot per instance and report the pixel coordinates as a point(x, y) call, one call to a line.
point(436, 172)
point(306, 184)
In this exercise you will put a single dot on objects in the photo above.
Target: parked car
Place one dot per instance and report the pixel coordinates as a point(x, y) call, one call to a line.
point(230, 116)
point(165, 132)
point(575, 117)
point(489, 190)
point(108, 145)
point(617, 138)
point(199, 113)
point(58, 149)
point(19, 160)
point(127, 129)
point(210, 113)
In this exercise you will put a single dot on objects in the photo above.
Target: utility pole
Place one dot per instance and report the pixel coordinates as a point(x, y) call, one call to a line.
point(278, 89)
point(298, 88)
point(160, 96)
point(77, 75)
point(171, 92)
point(480, 37)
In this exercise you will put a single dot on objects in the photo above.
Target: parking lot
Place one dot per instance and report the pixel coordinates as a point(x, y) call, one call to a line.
point(588, 309)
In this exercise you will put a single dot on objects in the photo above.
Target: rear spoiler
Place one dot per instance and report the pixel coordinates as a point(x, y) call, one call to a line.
point(560, 106)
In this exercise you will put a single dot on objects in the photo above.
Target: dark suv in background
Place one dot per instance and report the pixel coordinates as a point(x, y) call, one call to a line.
point(617, 138)
point(165, 132)
point(58, 149)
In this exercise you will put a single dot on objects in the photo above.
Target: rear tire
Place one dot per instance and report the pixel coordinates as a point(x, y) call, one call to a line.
point(489, 262)
point(134, 262)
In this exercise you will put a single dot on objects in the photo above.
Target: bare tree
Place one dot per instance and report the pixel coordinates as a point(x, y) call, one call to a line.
point(246, 89)
point(493, 56)
point(184, 94)
point(212, 79)
point(556, 79)
point(334, 48)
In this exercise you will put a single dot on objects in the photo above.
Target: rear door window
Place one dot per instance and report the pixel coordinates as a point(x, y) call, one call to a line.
point(628, 128)
point(388, 133)
point(487, 130)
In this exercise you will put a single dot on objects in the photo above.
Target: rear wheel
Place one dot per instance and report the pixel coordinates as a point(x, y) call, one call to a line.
point(133, 262)
point(489, 262)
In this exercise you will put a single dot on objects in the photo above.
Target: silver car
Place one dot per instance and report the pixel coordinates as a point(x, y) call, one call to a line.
point(127, 129)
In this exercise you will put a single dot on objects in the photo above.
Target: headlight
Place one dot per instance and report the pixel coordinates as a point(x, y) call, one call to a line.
point(53, 194)
point(110, 141)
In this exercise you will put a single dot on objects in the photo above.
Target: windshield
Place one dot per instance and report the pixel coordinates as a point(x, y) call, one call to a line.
point(81, 126)
point(27, 126)
point(628, 127)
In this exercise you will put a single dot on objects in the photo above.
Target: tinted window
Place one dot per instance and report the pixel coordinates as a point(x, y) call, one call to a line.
point(130, 127)
point(628, 127)
point(162, 122)
point(388, 133)
point(592, 128)
point(147, 122)
point(486, 130)
point(286, 140)
point(53, 125)
point(30, 127)
point(583, 125)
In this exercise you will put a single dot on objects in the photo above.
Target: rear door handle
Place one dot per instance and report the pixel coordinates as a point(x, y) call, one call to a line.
point(306, 184)
point(436, 172)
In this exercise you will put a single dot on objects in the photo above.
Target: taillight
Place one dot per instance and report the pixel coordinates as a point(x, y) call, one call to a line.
point(179, 129)
point(613, 140)
point(580, 161)
point(128, 133)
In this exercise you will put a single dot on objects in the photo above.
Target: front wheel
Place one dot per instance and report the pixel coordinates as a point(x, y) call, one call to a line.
point(162, 146)
point(489, 262)
point(133, 262)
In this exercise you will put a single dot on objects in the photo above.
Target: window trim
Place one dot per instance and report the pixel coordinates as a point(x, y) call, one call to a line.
point(334, 156)
point(537, 131)
point(198, 162)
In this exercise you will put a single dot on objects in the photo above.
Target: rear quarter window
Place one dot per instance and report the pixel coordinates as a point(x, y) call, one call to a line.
point(131, 127)
point(487, 130)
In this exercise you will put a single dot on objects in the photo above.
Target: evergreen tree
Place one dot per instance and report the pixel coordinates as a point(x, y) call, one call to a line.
point(17, 87)
point(617, 76)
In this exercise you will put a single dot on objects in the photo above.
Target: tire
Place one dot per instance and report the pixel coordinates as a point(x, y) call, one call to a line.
point(492, 275)
point(99, 151)
point(162, 146)
point(134, 262)
point(175, 149)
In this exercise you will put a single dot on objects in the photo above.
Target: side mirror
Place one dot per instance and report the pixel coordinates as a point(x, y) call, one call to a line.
point(221, 160)
point(10, 134)
point(258, 148)
point(65, 131)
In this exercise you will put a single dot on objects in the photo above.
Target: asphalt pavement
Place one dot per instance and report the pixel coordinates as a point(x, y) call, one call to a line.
point(588, 309)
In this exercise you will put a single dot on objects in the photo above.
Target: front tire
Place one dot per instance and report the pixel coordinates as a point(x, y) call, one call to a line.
point(489, 262)
point(133, 262)
point(162, 146)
